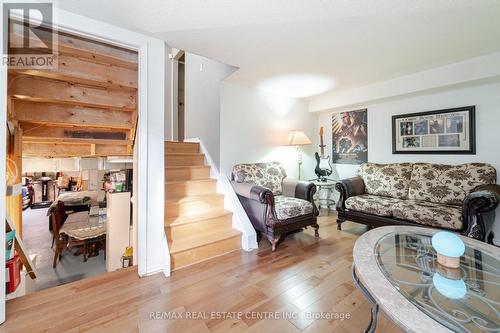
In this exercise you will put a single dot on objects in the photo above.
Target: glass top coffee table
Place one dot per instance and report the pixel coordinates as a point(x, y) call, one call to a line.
point(396, 268)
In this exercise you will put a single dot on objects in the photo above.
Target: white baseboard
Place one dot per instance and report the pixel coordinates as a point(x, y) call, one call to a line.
point(153, 270)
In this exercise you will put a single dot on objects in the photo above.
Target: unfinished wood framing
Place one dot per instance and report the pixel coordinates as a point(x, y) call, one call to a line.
point(68, 115)
point(32, 88)
point(71, 149)
point(87, 72)
point(63, 131)
point(85, 107)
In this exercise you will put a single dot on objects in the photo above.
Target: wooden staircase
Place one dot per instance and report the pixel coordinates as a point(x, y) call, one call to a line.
point(196, 224)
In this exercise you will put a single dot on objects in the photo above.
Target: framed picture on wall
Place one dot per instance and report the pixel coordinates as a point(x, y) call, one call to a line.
point(350, 137)
point(449, 131)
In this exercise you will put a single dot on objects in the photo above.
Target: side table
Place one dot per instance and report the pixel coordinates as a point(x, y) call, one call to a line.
point(325, 188)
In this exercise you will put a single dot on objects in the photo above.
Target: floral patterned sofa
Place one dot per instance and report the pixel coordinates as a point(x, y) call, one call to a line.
point(461, 198)
point(274, 204)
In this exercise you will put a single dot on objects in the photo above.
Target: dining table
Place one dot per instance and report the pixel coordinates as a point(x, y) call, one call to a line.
point(83, 226)
point(91, 229)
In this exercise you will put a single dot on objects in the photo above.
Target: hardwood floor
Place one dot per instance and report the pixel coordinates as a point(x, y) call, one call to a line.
point(304, 276)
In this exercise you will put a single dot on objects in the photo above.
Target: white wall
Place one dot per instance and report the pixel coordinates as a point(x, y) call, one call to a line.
point(469, 72)
point(202, 100)
point(485, 97)
point(255, 124)
point(152, 243)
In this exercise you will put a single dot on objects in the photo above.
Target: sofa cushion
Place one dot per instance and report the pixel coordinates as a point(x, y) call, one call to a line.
point(388, 180)
point(448, 184)
point(268, 175)
point(288, 207)
point(371, 204)
point(429, 213)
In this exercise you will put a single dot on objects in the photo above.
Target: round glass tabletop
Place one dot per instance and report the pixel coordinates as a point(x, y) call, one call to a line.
point(466, 299)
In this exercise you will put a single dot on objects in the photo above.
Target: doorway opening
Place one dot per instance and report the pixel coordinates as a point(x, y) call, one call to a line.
point(178, 95)
point(71, 134)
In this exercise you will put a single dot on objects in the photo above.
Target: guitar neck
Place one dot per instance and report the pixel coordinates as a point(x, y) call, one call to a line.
point(322, 145)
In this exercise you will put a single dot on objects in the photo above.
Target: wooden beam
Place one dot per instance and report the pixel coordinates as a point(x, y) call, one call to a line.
point(61, 131)
point(67, 115)
point(54, 150)
point(56, 92)
point(66, 141)
point(86, 72)
point(101, 52)
point(59, 76)
point(70, 150)
point(10, 107)
point(14, 204)
point(103, 150)
point(105, 53)
point(97, 57)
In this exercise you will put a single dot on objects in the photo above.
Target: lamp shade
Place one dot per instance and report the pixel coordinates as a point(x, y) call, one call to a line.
point(449, 248)
point(297, 138)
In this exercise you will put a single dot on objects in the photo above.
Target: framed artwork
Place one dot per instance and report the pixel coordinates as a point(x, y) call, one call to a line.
point(449, 131)
point(350, 137)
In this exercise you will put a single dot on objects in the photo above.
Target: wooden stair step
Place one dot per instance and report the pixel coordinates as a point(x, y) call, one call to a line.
point(181, 220)
point(194, 250)
point(181, 147)
point(202, 240)
point(186, 188)
point(186, 228)
point(196, 224)
point(187, 172)
point(192, 256)
point(194, 205)
point(180, 159)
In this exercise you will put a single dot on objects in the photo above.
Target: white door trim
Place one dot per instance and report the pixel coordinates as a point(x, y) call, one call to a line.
point(151, 255)
point(151, 107)
point(3, 155)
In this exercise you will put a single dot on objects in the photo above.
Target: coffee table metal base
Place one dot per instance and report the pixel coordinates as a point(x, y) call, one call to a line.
point(374, 310)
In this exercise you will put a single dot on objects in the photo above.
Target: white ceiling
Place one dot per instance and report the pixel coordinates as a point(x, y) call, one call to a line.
point(349, 42)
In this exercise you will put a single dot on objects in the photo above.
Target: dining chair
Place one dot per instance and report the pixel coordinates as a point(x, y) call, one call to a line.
point(63, 212)
point(58, 217)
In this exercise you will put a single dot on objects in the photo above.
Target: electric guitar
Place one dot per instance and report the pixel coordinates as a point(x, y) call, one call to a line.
point(323, 166)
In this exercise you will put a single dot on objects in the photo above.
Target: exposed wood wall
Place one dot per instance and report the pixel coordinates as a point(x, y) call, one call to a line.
point(85, 107)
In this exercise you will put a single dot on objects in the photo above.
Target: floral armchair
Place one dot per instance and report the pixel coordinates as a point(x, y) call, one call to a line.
point(275, 205)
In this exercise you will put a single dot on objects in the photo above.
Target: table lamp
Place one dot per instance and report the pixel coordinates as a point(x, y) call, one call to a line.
point(298, 138)
point(449, 248)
